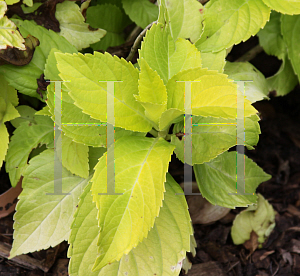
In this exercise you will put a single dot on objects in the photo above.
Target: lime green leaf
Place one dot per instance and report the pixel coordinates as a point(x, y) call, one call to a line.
point(44, 220)
point(8, 101)
point(152, 92)
point(9, 35)
point(73, 27)
point(229, 22)
point(284, 80)
point(26, 115)
point(140, 169)
point(259, 218)
point(170, 116)
point(183, 17)
point(290, 28)
point(166, 57)
point(142, 12)
point(71, 115)
point(24, 78)
point(28, 2)
point(151, 86)
point(90, 131)
point(212, 95)
point(75, 157)
point(85, 71)
point(4, 140)
point(284, 6)
point(83, 237)
point(8, 111)
point(110, 18)
point(44, 111)
point(256, 90)
point(270, 37)
point(11, 2)
point(25, 138)
point(214, 61)
point(160, 253)
point(213, 136)
point(217, 178)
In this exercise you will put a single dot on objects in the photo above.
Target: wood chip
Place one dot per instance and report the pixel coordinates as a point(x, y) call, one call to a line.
point(207, 269)
point(22, 260)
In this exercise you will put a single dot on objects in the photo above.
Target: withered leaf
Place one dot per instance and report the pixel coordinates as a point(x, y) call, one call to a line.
point(15, 56)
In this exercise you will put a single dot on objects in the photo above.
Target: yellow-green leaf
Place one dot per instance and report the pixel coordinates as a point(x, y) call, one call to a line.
point(229, 22)
point(212, 95)
point(141, 164)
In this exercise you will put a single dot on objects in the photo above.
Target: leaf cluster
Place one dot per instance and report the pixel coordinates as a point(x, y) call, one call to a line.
point(181, 78)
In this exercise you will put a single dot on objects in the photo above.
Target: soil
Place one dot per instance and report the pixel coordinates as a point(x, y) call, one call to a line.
point(277, 153)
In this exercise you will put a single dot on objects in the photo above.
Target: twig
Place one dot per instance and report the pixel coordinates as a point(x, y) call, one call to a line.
point(138, 41)
point(232, 266)
point(134, 33)
point(278, 266)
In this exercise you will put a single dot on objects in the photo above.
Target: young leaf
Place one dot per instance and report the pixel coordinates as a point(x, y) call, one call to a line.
point(227, 23)
point(290, 29)
point(213, 136)
point(284, 6)
point(259, 218)
point(183, 17)
point(25, 78)
point(9, 35)
point(270, 37)
point(170, 116)
point(212, 95)
point(214, 61)
point(140, 169)
point(85, 71)
point(142, 12)
point(73, 27)
point(152, 92)
point(25, 138)
point(166, 57)
point(157, 254)
point(217, 178)
point(75, 157)
point(284, 80)
point(110, 18)
point(44, 220)
point(256, 90)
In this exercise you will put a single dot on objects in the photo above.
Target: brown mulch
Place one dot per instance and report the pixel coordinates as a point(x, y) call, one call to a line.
point(278, 153)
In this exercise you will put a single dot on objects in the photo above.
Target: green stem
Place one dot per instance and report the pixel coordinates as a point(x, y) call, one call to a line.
point(153, 132)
